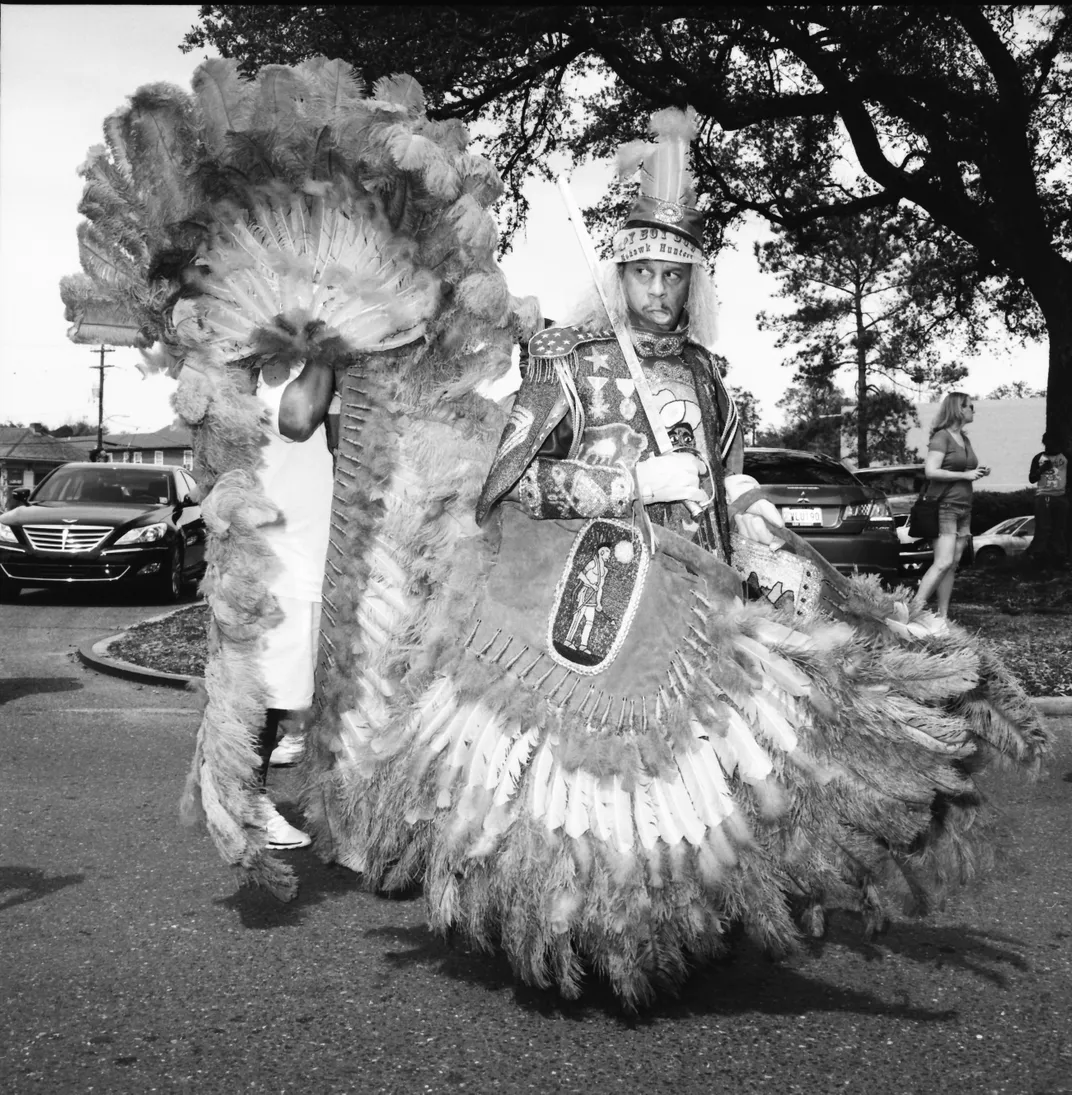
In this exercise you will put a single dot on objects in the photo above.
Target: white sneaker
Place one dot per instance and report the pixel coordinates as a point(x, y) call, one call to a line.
point(281, 834)
point(287, 752)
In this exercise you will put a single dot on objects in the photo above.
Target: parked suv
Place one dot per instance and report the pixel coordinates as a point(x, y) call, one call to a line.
point(846, 521)
point(901, 484)
point(104, 523)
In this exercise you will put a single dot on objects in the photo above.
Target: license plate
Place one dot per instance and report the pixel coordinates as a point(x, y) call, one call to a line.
point(794, 515)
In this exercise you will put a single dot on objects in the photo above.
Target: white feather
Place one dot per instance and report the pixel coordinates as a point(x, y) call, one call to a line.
point(500, 751)
point(670, 828)
point(622, 816)
point(738, 749)
point(703, 778)
point(435, 705)
point(437, 734)
point(478, 760)
point(688, 812)
point(784, 672)
point(510, 777)
point(773, 723)
point(602, 809)
point(467, 729)
point(644, 815)
point(540, 779)
point(579, 795)
point(555, 817)
point(775, 634)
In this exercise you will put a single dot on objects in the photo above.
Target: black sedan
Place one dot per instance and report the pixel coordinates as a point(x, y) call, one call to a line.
point(847, 522)
point(103, 523)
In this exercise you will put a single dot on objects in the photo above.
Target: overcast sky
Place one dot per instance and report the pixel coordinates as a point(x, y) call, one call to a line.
point(64, 68)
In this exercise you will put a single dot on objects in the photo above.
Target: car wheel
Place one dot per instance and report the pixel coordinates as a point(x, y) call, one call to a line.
point(171, 579)
point(988, 556)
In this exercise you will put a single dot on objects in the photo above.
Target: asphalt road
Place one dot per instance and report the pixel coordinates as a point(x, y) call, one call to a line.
point(129, 962)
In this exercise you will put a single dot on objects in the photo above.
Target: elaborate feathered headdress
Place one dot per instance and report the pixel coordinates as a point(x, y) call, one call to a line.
point(664, 222)
point(281, 217)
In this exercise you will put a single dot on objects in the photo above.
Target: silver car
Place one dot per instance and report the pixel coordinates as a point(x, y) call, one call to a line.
point(1010, 537)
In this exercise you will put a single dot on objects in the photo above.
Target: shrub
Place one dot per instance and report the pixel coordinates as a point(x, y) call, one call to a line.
point(991, 506)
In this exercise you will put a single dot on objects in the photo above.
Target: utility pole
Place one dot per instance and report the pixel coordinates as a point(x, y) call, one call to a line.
point(100, 400)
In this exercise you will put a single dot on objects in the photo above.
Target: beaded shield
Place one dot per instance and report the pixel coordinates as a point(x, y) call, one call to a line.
point(597, 596)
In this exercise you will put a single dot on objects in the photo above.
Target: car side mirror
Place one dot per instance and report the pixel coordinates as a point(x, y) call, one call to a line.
point(20, 496)
point(188, 500)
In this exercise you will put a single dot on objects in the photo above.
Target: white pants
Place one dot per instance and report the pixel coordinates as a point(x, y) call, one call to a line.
point(288, 656)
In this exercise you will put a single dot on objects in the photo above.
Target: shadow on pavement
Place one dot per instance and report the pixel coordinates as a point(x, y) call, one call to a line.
point(14, 688)
point(957, 945)
point(317, 882)
point(30, 884)
point(745, 981)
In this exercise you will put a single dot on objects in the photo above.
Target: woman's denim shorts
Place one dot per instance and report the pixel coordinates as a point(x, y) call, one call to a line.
point(954, 518)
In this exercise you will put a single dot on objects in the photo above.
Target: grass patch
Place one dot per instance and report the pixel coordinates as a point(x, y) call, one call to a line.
point(176, 644)
point(1024, 614)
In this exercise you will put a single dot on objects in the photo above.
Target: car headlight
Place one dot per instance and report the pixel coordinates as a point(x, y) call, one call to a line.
point(7, 534)
point(147, 534)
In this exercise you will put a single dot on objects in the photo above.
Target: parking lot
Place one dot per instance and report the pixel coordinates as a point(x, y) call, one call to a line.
point(132, 964)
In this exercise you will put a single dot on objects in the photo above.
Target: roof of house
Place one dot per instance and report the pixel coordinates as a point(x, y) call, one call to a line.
point(171, 437)
point(22, 443)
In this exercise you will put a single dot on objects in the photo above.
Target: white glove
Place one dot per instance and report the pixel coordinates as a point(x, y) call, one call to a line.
point(672, 477)
point(750, 524)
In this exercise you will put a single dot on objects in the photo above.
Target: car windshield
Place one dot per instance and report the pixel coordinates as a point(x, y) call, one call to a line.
point(104, 484)
point(1003, 527)
point(1014, 526)
point(901, 482)
point(780, 469)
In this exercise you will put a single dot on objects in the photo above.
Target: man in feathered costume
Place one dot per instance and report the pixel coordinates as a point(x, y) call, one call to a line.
point(698, 761)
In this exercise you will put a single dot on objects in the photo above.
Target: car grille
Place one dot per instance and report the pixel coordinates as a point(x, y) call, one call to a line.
point(41, 570)
point(66, 537)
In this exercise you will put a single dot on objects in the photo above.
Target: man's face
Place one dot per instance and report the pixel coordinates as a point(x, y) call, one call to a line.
point(655, 292)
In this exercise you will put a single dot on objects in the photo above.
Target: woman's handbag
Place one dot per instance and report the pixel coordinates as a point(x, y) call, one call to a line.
point(923, 517)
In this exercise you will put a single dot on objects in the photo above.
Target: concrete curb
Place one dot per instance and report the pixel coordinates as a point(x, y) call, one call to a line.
point(94, 654)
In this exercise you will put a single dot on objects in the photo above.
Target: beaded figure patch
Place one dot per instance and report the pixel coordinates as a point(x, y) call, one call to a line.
point(597, 595)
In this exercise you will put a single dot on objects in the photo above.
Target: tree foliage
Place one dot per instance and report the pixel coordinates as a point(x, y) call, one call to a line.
point(748, 410)
point(1017, 390)
point(813, 417)
point(865, 290)
point(884, 420)
point(806, 111)
point(82, 428)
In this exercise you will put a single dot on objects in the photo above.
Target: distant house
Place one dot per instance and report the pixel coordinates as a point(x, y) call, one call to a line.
point(26, 456)
point(173, 445)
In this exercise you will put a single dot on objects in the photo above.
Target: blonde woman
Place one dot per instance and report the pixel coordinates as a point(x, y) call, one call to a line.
point(952, 467)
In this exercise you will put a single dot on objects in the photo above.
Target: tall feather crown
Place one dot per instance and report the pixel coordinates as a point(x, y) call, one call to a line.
point(667, 198)
point(275, 215)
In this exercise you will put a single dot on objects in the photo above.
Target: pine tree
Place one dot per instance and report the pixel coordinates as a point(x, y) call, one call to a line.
point(863, 289)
